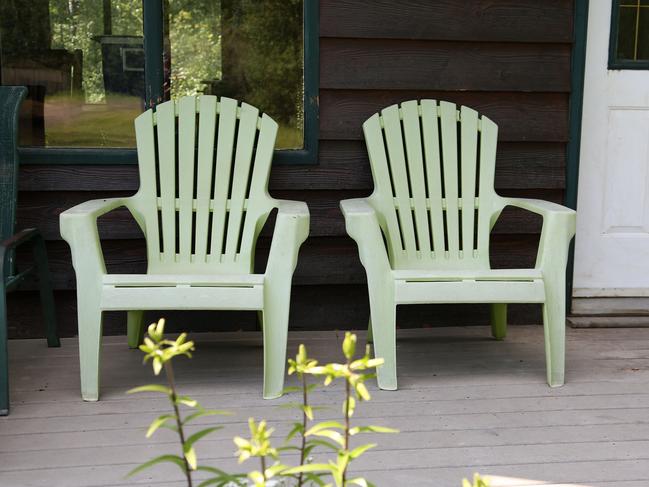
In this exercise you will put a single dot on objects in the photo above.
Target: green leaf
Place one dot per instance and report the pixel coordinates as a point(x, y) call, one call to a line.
point(222, 478)
point(274, 470)
point(308, 412)
point(314, 478)
point(150, 388)
point(290, 389)
point(187, 401)
point(159, 329)
point(324, 425)
point(349, 345)
point(309, 467)
point(190, 456)
point(157, 365)
point(362, 391)
point(359, 481)
point(158, 422)
point(375, 362)
point(241, 442)
point(200, 434)
point(324, 443)
point(161, 459)
point(358, 451)
point(297, 428)
point(371, 429)
point(332, 435)
point(288, 448)
point(205, 412)
point(349, 405)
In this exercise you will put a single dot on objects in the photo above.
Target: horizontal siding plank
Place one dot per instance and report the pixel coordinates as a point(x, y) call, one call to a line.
point(537, 117)
point(342, 165)
point(370, 64)
point(477, 20)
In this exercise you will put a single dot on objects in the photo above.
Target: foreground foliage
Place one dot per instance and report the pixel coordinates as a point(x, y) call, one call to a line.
point(331, 440)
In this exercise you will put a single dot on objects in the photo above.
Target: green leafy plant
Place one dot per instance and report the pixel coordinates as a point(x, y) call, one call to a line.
point(477, 482)
point(333, 434)
point(161, 352)
point(328, 438)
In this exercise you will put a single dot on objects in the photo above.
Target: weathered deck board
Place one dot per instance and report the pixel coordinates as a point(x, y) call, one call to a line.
point(466, 403)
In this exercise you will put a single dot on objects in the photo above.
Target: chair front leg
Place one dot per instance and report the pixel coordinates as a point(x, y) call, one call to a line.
point(275, 331)
point(554, 325)
point(383, 320)
point(90, 319)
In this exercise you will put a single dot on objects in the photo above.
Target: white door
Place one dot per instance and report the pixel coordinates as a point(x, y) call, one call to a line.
point(612, 244)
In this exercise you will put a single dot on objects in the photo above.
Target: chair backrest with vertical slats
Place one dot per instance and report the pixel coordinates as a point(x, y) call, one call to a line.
point(433, 168)
point(204, 166)
point(10, 99)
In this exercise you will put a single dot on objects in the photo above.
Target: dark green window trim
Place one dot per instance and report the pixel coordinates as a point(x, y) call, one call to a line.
point(153, 89)
point(577, 77)
point(613, 61)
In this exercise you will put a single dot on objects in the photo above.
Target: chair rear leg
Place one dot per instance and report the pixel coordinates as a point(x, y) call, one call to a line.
point(499, 320)
point(384, 333)
point(275, 331)
point(259, 323)
point(554, 327)
point(90, 332)
point(4, 355)
point(135, 328)
point(46, 292)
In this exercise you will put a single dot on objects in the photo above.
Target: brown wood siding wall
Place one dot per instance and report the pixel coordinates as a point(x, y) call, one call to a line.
point(509, 59)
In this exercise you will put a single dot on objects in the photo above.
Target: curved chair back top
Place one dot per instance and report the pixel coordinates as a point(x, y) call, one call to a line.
point(204, 165)
point(433, 167)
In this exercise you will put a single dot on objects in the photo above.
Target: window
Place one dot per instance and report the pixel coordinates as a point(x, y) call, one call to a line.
point(629, 40)
point(91, 66)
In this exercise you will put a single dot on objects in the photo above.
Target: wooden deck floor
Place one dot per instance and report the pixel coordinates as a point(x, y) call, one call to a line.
point(466, 403)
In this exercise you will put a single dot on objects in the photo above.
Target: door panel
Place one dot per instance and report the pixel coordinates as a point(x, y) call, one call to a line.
point(612, 244)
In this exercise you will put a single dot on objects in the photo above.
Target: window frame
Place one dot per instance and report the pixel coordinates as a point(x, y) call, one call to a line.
point(153, 80)
point(613, 61)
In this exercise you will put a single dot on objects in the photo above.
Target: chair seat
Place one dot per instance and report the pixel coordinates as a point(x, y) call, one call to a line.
point(174, 280)
point(182, 292)
point(469, 286)
point(468, 275)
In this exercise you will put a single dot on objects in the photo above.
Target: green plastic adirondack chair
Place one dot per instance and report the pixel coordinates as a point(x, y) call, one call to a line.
point(10, 277)
point(204, 166)
point(434, 205)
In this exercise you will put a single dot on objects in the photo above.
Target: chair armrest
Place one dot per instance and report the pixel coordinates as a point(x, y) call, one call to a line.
point(94, 208)
point(540, 207)
point(18, 239)
point(79, 229)
point(559, 226)
point(291, 230)
point(8, 245)
point(362, 225)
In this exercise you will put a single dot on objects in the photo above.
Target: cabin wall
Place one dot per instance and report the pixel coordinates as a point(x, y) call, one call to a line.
point(509, 59)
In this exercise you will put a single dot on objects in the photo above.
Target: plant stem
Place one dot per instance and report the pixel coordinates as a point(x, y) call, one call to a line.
point(304, 423)
point(347, 425)
point(263, 468)
point(169, 372)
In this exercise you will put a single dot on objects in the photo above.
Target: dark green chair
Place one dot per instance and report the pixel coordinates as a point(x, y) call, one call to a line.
point(10, 276)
